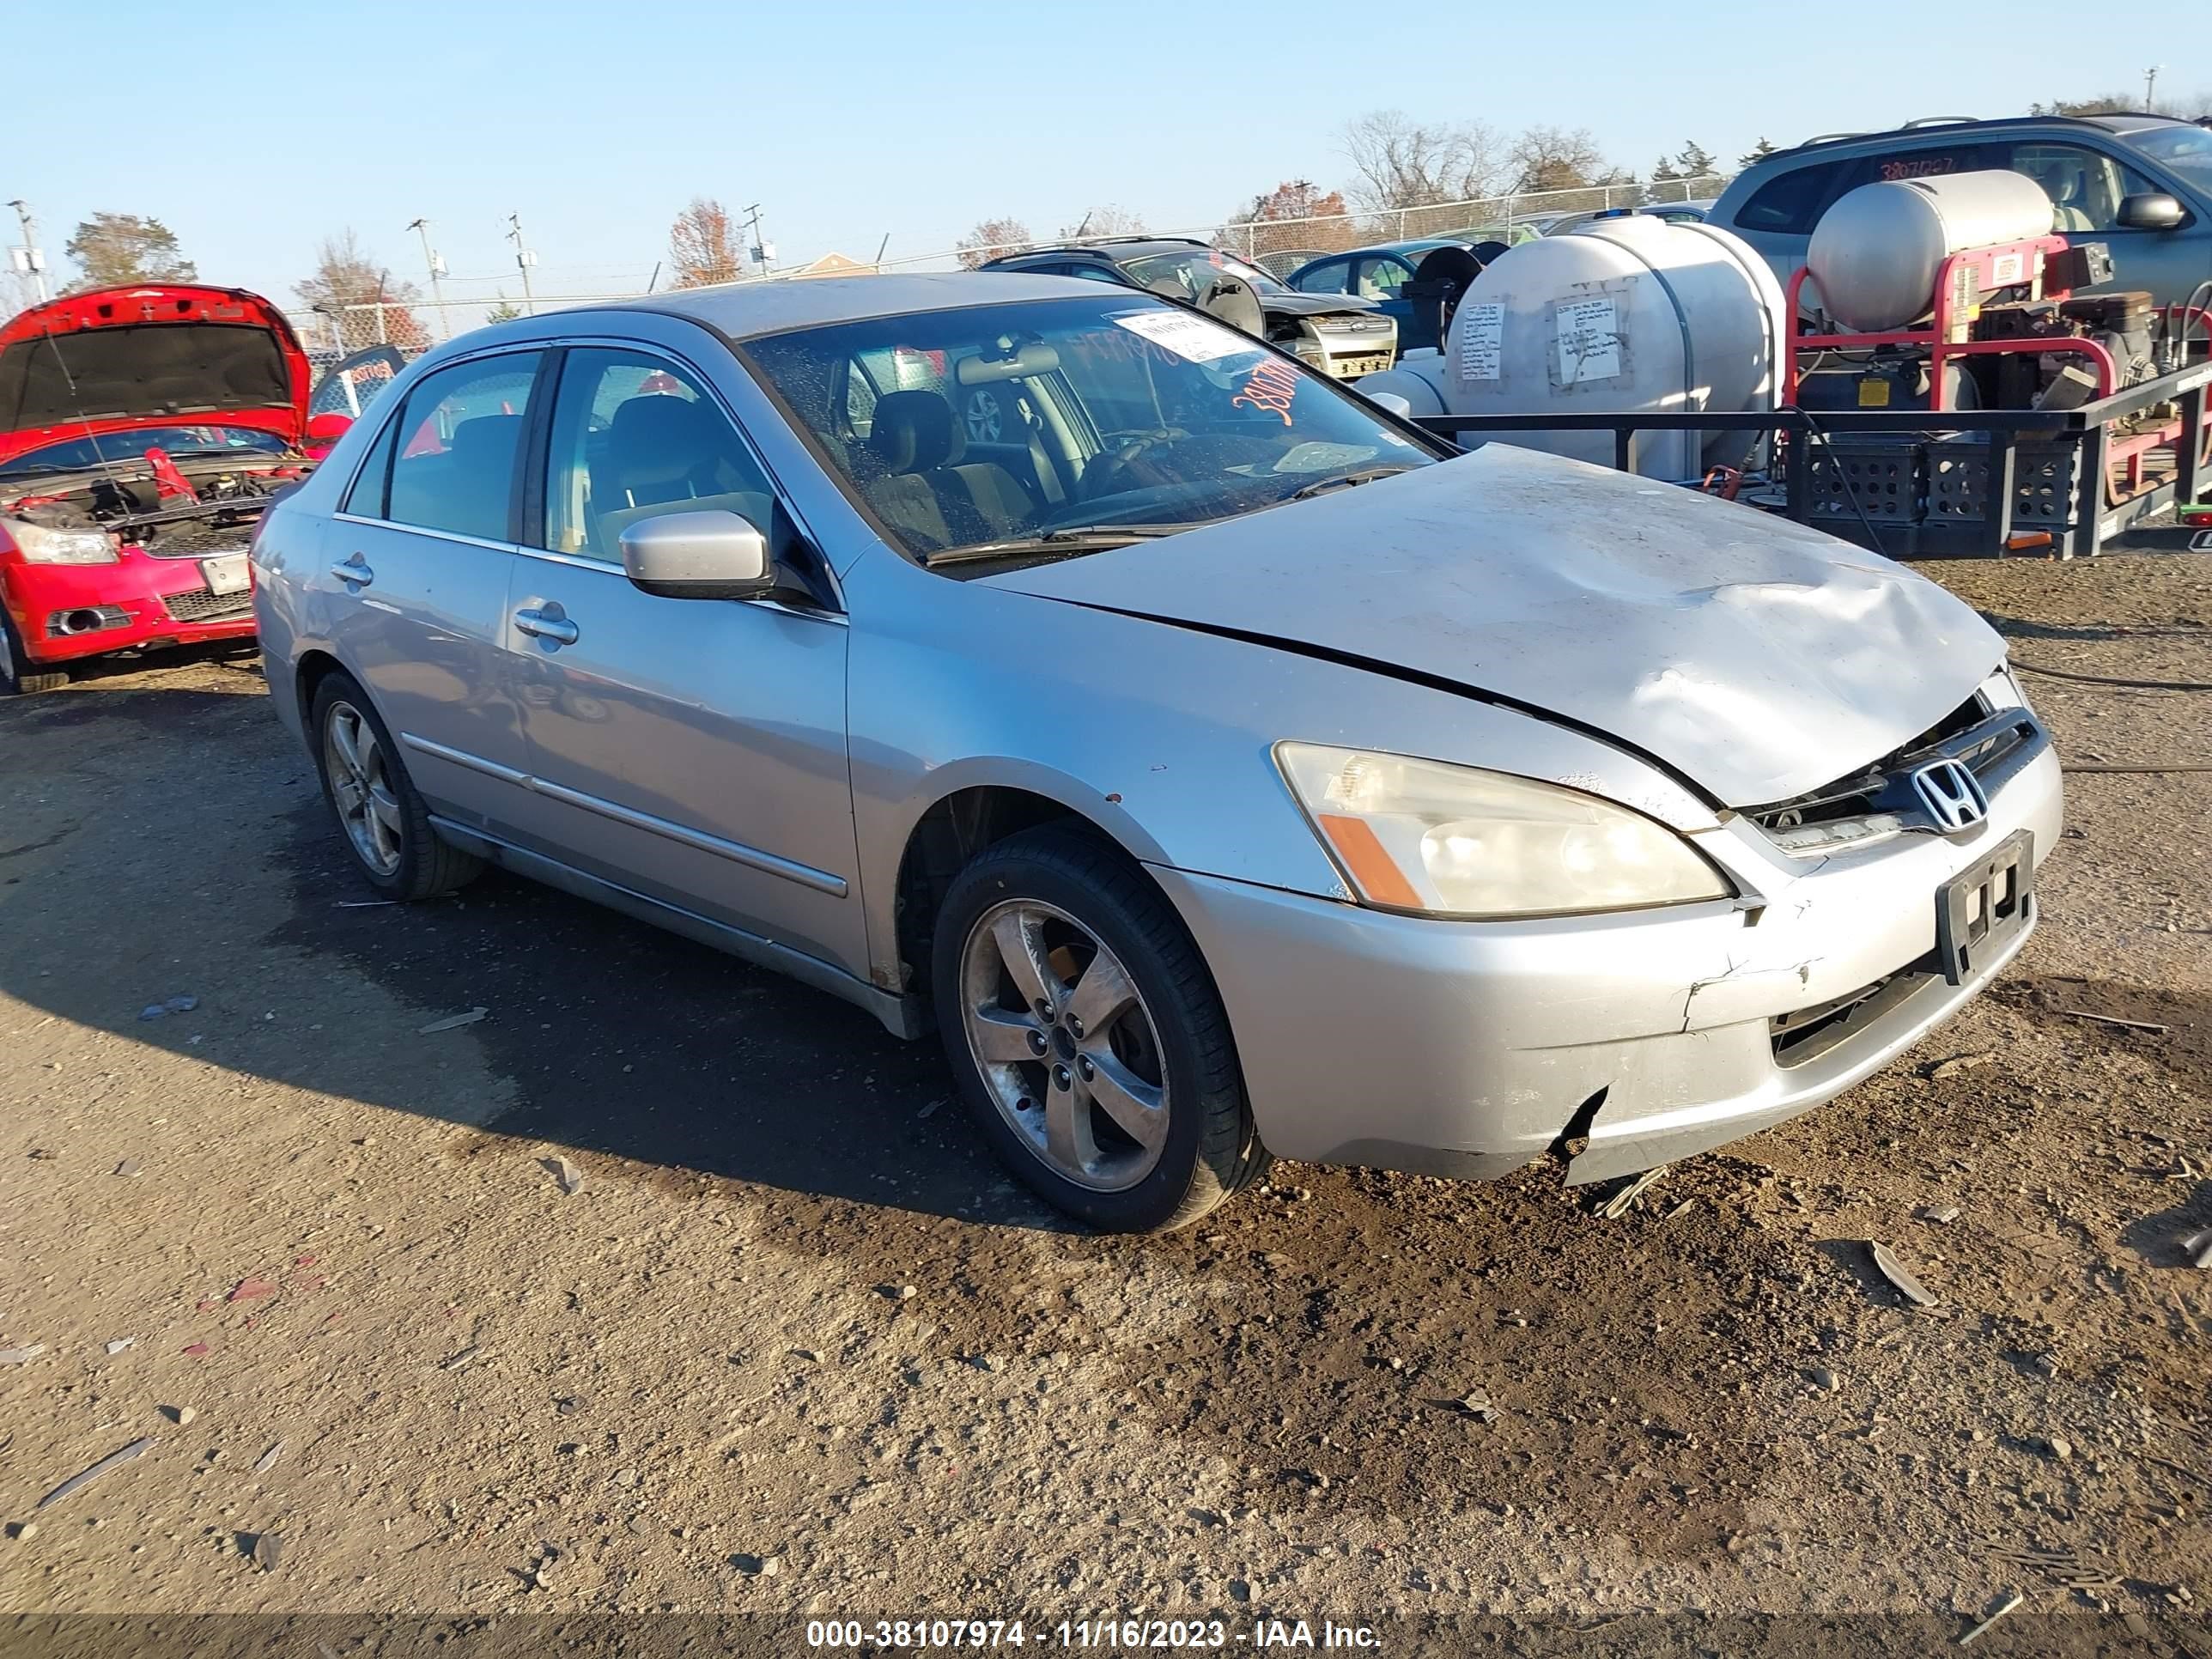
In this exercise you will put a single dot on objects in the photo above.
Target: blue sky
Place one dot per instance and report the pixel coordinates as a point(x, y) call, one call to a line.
point(254, 137)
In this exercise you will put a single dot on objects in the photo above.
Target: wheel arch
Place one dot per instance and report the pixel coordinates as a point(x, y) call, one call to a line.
point(956, 825)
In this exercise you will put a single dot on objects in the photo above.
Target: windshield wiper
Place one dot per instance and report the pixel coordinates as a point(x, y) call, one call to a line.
point(1067, 538)
point(1344, 480)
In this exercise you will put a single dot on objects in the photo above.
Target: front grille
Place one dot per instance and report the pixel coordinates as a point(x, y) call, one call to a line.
point(198, 605)
point(1345, 367)
point(1879, 800)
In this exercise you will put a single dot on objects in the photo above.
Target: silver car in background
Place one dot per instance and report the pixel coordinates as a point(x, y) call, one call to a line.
point(1221, 767)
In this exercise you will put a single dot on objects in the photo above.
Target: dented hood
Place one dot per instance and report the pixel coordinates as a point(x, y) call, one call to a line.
point(1757, 658)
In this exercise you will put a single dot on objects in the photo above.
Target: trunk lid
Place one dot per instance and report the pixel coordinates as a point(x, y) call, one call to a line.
point(158, 354)
point(1757, 658)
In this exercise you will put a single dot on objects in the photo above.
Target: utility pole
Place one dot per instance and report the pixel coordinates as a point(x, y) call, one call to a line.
point(30, 259)
point(436, 263)
point(762, 251)
point(524, 259)
point(2150, 88)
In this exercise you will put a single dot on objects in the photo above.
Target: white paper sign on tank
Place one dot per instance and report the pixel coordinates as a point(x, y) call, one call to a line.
point(1621, 315)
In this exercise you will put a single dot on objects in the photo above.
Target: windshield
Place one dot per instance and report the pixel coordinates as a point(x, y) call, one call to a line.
point(2187, 150)
point(997, 423)
point(1187, 273)
point(179, 442)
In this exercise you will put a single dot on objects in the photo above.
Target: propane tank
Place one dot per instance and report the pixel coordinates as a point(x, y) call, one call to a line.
point(1623, 313)
point(1876, 252)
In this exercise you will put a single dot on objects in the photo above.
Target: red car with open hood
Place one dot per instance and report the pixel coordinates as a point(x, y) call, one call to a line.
point(143, 430)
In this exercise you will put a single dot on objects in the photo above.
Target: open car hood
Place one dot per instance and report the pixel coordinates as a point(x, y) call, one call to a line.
point(1756, 658)
point(157, 354)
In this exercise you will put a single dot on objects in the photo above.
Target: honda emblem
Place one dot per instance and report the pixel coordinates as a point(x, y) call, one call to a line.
point(1952, 794)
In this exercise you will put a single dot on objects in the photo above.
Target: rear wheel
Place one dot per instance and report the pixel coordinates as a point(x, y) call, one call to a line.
point(18, 677)
point(386, 824)
point(1087, 1037)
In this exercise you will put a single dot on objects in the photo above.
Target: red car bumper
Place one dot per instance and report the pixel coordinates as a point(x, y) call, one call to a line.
point(65, 612)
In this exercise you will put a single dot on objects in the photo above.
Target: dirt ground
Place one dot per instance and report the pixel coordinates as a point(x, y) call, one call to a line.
point(795, 1346)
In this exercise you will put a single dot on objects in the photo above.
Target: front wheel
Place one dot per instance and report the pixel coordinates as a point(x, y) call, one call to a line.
point(18, 678)
point(1087, 1037)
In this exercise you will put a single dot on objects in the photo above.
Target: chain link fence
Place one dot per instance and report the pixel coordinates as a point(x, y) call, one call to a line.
point(462, 303)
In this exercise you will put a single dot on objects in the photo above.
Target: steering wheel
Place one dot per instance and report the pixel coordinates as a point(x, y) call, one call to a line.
point(1111, 468)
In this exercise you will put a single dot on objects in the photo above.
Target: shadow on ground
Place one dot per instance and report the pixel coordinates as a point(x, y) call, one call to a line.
point(609, 1036)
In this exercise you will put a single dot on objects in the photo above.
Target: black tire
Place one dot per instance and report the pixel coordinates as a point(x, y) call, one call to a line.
point(17, 678)
point(1211, 1149)
point(427, 867)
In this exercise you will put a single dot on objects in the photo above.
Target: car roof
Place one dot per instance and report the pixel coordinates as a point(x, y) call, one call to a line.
point(1938, 125)
point(1110, 247)
point(1411, 245)
point(747, 310)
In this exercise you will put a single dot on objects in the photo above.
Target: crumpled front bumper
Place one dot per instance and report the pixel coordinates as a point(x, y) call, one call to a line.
point(1469, 1048)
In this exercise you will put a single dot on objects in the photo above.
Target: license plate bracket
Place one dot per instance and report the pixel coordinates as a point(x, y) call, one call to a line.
point(1981, 908)
point(226, 575)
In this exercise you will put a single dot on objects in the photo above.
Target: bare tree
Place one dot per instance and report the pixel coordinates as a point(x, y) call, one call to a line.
point(1108, 221)
point(1399, 162)
point(703, 246)
point(347, 274)
point(1554, 158)
point(991, 238)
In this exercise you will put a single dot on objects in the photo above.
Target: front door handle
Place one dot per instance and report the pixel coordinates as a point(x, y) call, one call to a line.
point(354, 570)
point(539, 625)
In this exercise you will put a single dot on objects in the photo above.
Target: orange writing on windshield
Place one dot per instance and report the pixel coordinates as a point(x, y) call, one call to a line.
point(1271, 386)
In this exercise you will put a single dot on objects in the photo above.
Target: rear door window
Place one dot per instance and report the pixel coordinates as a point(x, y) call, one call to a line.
point(1330, 277)
point(459, 436)
point(1788, 203)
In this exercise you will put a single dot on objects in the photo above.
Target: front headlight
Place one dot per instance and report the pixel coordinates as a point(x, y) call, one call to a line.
point(43, 546)
point(1453, 840)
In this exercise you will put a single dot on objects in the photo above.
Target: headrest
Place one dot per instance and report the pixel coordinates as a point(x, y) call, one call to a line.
point(659, 438)
point(915, 432)
point(486, 440)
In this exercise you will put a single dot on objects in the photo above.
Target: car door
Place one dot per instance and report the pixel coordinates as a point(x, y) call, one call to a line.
point(414, 579)
point(690, 749)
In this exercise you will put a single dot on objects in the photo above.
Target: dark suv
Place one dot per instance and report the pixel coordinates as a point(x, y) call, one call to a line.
point(1339, 334)
point(2141, 184)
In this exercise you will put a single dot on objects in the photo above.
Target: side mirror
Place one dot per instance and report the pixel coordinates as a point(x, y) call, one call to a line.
point(1391, 403)
point(323, 430)
point(2151, 209)
point(712, 554)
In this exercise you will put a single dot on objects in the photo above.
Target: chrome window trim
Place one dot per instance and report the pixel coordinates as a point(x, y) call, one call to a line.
point(423, 530)
point(608, 568)
point(822, 881)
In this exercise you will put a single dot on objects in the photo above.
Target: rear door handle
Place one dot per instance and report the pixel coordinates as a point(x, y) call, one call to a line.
point(539, 625)
point(354, 570)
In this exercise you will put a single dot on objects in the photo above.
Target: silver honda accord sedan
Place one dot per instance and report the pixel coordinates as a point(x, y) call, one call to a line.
point(1224, 769)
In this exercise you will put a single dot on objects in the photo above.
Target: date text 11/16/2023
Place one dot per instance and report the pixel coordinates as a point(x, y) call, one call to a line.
point(1092, 1634)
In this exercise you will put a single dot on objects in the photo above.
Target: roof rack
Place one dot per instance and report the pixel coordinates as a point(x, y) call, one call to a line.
point(1940, 121)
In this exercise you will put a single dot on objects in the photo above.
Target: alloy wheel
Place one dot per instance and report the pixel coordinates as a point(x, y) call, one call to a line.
point(361, 788)
point(1067, 1048)
point(6, 657)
